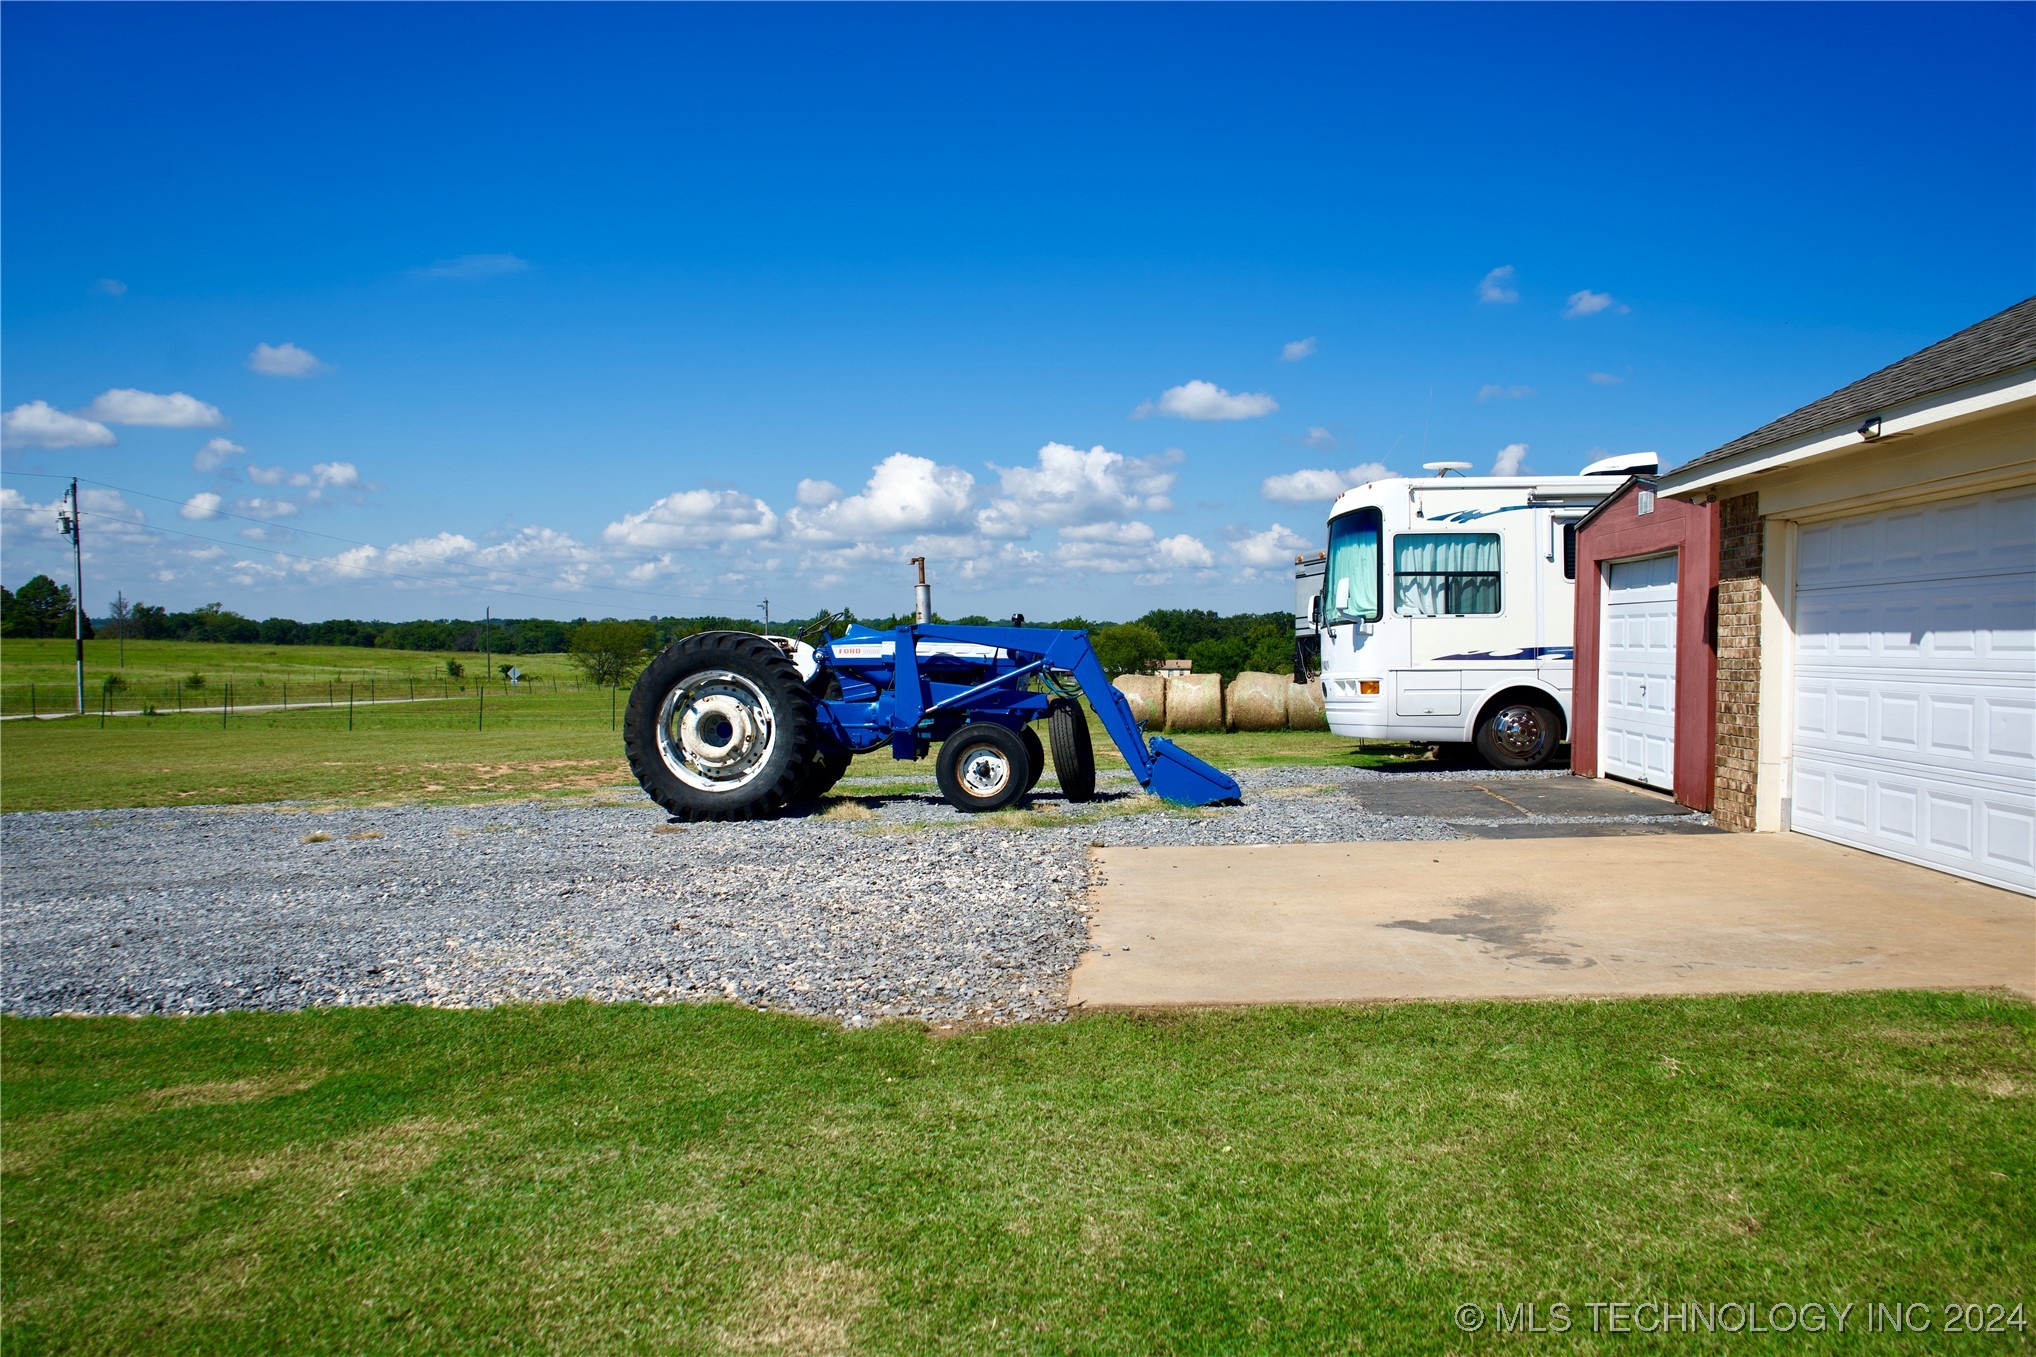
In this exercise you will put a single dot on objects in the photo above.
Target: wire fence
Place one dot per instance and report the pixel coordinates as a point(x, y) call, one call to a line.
point(295, 704)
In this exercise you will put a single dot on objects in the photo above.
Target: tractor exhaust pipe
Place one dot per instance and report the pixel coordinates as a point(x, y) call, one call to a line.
point(922, 596)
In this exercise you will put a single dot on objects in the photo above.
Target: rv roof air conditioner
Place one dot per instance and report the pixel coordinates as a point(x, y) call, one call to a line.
point(1625, 464)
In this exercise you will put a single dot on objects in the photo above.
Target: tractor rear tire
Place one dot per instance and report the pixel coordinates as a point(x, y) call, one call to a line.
point(721, 728)
point(1074, 757)
point(823, 770)
point(1035, 751)
point(982, 766)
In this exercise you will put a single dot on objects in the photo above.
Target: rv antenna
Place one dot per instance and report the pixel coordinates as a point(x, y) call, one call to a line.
point(1444, 468)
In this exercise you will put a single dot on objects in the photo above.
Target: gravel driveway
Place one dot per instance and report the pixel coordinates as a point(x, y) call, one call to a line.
point(910, 909)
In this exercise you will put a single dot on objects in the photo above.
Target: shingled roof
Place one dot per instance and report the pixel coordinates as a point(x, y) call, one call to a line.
point(2000, 343)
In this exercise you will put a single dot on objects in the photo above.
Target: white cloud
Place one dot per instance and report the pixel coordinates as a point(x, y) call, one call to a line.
point(262, 506)
point(214, 454)
point(904, 494)
point(1183, 550)
point(1509, 460)
point(38, 425)
point(1493, 392)
point(1298, 349)
point(267, 475)
point(204, 504)
point(125, 405)
point(1276, 546)
point(813, 494)
point(1314, 486)
point(110, 287)
point(1497, 286)
point(1206, 400)
point(284, 360)
point(693, 518)
point(1319, 437)
point(470, 267)
point(335, 475)
point(1589, 303)
point(1605, 379)
point(1067, 485)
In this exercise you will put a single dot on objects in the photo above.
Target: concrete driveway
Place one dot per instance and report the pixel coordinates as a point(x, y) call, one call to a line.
point(1525, 918)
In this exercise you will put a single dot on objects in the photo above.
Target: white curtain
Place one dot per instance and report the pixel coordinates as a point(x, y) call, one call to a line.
point(1353, 581)
point(1439, 573)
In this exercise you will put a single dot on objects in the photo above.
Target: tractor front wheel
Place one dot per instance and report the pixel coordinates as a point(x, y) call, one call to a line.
point(1035, 751)
point(1074, 756)
point(982, 767)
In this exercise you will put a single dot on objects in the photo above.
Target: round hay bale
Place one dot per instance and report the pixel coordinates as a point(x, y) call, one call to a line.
point(1146, 695)
point(1194, 702)
point(1304, 707)
point(1257, 701)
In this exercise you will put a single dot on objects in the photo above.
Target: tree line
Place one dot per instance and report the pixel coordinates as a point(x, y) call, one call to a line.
point(1211, 642)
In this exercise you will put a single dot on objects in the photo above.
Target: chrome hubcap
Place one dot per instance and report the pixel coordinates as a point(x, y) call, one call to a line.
point(715, 731)
point(1519, 731)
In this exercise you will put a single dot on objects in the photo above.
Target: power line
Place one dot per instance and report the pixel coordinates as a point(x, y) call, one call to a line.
point(350, 541)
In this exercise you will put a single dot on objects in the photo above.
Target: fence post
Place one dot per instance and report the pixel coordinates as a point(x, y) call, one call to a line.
point(286, 694)
point(102, 709)
point(481, 692)
point(225, 704)
point(612, 690)
point(31, 699)
point(349, 706)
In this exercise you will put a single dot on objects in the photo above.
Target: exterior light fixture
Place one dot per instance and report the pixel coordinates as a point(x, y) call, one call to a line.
point(1871, 429)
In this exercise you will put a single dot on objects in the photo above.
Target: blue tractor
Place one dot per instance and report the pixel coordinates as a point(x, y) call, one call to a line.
point(730, 725)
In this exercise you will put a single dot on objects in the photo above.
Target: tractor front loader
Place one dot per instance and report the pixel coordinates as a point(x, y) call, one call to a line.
point(729, 725)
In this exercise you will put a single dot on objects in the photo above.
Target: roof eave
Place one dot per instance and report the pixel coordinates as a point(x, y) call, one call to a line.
point(2013, 387)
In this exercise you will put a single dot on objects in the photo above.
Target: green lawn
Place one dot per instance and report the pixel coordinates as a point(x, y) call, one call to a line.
point(596, 1180)
point(40, 674)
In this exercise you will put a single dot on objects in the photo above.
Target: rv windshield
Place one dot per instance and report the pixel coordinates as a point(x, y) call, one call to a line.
point(1353, 581)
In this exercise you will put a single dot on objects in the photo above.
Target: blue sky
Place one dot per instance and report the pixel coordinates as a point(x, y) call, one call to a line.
point(620, 310)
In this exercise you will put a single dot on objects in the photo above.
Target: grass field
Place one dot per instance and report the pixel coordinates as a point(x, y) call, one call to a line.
point(547, 737)
point(598, 1180)
point(39, 675)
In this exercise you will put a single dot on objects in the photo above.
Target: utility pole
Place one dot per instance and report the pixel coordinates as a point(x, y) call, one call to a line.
point(766, 606)
point(68, 521)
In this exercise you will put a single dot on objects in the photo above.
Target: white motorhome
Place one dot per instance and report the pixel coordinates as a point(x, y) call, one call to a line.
point(1447, 608)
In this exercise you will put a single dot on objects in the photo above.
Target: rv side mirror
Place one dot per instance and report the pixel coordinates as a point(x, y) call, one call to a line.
point(1315, 610)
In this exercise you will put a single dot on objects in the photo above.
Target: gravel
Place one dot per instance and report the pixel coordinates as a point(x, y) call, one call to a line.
point(911, 909)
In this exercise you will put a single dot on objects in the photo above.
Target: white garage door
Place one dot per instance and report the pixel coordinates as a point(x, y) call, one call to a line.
point(1639, 680)
point(1915, 731)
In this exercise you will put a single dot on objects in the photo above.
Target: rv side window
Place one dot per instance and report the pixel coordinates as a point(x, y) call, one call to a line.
point(1353, 578)
point(1440, 574)
point(1569, 551)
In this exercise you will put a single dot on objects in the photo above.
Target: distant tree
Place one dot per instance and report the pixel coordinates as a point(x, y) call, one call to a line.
point(117, 613)
point(454, 669)
point(282, 631)
point(151, 622)
point(40, 608)
point(1132, 648)
point(608, 652)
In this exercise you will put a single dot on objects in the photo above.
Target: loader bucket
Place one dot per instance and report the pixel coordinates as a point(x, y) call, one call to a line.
point(1180, 777)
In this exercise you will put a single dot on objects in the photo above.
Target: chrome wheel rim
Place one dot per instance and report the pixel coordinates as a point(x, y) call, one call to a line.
point(716, 731)
point(985, 771)
point(1519, 731)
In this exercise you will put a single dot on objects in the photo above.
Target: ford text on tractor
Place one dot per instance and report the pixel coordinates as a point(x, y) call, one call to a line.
point(1445, 611)
point(730, 725)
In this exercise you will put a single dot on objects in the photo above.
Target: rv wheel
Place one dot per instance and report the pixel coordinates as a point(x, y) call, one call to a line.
point(1518, 735)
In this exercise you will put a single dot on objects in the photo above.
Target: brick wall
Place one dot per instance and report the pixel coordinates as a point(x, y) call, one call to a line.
point(1739, 542)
